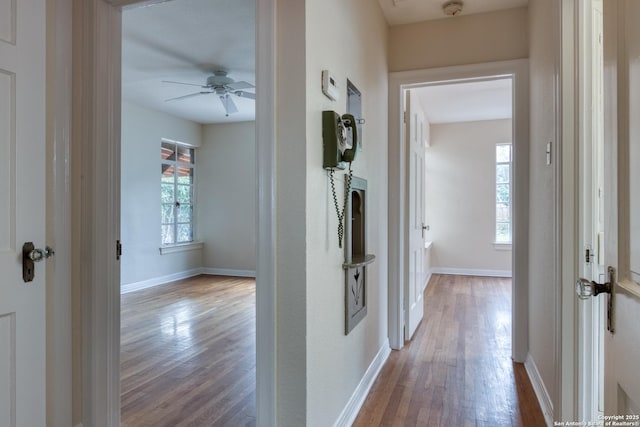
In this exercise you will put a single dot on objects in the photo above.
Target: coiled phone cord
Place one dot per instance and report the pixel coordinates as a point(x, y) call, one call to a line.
point(347, 190)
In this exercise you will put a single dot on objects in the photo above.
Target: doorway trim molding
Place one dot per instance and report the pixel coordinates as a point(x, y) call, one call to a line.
point(96, 210)
point(518, 71)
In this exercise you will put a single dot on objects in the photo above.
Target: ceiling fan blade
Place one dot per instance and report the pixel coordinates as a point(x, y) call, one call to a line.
point(229, 105)
point(181, 83)
point(187, 96)
point(243, 94)
point(240, 85)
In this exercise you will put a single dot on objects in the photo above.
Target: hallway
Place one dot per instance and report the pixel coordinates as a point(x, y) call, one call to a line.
point(457, 371)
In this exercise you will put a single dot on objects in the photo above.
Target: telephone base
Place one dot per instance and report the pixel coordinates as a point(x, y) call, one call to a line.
point(341, 166)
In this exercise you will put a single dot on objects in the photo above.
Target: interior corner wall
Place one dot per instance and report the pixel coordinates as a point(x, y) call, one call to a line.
point(291, 222)
point(461, 40)
point(460, 205)
point(226, 200)
point(348, 39)
point(142, 131)
point(543, 126)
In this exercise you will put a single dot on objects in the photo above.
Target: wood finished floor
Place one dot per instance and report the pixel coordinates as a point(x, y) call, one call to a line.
point(457, 371)
point(188, 354)
point(188, 359)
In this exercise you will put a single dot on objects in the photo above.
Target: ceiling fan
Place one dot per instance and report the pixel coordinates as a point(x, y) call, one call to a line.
point(222, 86)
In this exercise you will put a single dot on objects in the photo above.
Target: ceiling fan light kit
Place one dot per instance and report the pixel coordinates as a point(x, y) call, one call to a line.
point(222, 85)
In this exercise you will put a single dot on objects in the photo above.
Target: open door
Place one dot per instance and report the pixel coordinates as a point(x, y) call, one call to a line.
point(415, 273)
point(591, 311)
point(622, 207)
point(22, 213)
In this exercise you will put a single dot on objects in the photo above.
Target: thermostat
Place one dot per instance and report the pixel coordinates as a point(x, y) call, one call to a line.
point(330, 86)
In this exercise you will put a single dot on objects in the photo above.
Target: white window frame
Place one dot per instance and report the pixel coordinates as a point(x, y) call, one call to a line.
point(166, 248)
point(505, 245)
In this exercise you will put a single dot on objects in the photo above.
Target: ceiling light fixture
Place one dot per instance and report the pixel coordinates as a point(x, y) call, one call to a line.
point(452, 8)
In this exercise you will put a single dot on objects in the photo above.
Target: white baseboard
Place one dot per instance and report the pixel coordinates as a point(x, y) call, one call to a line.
point(156, 281)
point(471, 272)
point(229, 272)
point(541, 391)
point(144, 284)
point(351, 410)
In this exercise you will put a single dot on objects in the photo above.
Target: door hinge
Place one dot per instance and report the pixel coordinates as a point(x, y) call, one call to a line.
point(404, 117)
point(118, 249)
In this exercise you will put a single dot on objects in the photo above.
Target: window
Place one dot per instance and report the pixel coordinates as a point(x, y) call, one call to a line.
point(503, 192)
point(177, 191)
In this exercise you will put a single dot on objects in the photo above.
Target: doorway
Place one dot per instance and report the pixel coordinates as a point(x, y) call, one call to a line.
point(517, 71)
point(97, 139)
point(459, 136)
point(188, 109)
point(468, 162)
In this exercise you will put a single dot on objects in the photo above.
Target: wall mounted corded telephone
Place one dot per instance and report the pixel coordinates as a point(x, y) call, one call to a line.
point(340, 139)
point(340, 145)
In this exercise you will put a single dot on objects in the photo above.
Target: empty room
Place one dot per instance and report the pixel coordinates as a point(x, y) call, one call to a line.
point(188, 214)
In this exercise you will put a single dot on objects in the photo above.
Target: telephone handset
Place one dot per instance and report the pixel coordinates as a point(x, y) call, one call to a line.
point(340, 139)
point(340, 145)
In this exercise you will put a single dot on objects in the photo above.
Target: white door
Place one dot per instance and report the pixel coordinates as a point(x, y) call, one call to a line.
point(591, 311)
point(414, 134)
point(622, 205)
point(22, 211)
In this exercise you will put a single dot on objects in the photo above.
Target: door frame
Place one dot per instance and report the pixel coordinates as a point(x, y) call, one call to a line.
point(96, 210)
point(567, 354)
point(58, 206)
point(518, 71)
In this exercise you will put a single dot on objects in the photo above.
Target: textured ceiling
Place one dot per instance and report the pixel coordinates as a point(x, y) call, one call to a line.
point(407, 11)
point(466, 102)
point(185, 41)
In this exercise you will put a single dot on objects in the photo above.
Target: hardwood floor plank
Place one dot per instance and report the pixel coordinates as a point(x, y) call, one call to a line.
point(457, 371)
point(188, 354)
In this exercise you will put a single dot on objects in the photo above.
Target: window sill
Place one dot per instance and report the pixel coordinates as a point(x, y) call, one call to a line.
point(500, 246)
point(181, 247)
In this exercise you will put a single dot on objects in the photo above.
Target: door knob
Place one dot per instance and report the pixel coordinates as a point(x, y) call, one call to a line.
point(586, 288)
point(38, 255)
point(30, 255)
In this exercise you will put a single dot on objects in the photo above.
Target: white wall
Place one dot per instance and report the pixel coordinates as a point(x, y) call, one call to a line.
point(291, 222)
point(486, 37)
point(461, 195)
point(544, 45)
point(142, 130)
point(349, 39)
point(226, 196)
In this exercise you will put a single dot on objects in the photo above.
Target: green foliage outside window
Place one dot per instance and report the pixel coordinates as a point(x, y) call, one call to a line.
point(503, 192)
point(176, 193)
